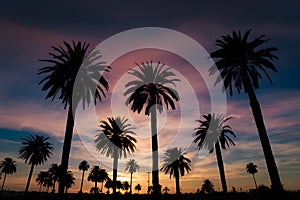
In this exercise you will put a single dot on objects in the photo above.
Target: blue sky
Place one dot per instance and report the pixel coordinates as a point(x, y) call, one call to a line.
point(29, 29)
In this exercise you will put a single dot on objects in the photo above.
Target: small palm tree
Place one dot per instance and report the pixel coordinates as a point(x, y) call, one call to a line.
point(55, 172)
point(207, 186)
point(210, 135)
point(108, 185)
point(94, 190)
point(176, 164)
point(98, 174)
point(67, 64)
point(35, 151)
point(241, 63)
point(150, 90)
point(41, 178)
point(131, 166)
point(252, 169)
point(83, 166)
point(165, 190)
point(7, 166)
point(115, 139)
point(138, 187)
point(70, 180)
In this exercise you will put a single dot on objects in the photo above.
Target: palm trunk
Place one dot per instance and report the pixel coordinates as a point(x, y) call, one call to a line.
point(81, 181)
point(66, 149)
point(264, 139)
point(254, 181)
point(115, 173)
point(53, 187)
point(155, 172)
point(40, 189)
point(101, 187)
point(3, 181)
point(29, 178)
point(130, 183)
point(95, 191)
point(221, 166)
point(177, 184)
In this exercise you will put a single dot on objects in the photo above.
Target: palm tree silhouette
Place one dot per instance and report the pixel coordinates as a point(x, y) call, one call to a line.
point(66, 64)
point(241, 63)
point(55, 173)
point(115, 139)
point(35, 151)
point(7, 166)
point(252, 169)
point(212, 133)
point(96, 175)
point(207, 186)
point(83, 166)
point(70, 180)
point(176, 164)
point(41, 178)
point(108, 185)
point(138, 187)
point(148, 91)
point(126, 185)
point(131, 166)
point(166, 189)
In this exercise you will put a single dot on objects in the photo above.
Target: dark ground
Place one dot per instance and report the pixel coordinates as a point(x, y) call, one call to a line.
point(9, 195)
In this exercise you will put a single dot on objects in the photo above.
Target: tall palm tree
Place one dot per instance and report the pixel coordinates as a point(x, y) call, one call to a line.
point(70, 180)
point(252, 169)
point(149, 90)
point(98, 174)
point(7, 166)
point(207, 186)
point(83, 166)
point(241, 62)
point(138, 187)
point(35, 151)
point(65, 65)
point(114, 140)
point(210, 135)
point(176, 164)
point(41, 178)
point(131, 166)
point(55, 173)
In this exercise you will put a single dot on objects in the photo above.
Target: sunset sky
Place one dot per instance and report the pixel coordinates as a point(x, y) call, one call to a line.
point(29, 29)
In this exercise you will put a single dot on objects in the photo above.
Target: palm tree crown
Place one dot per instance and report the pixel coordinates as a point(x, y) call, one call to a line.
point(35, 150)
point(115, 138)
point(72, 63)
point(149, 87)
point(212, 130)
point(176, 164)
point(96, 175)
point(7, 166)
point(207, 186)
point(240, 61)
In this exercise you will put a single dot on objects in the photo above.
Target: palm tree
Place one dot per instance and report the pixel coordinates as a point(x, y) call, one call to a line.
point(108, 185)
point(98, 174)
point(176, 164)
point(115, 139)
point(212, 133)
point(241, 62)
point(70, 180)
point(148, 91)
point(41, 178)
point(252, 169)
point(131, 166)
point(65, 65)
point(207, 186)
point(138, 187)
point(35, 151)
point(55, 173)
point(7, 166)
point(166, 189)
point(83, 166)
